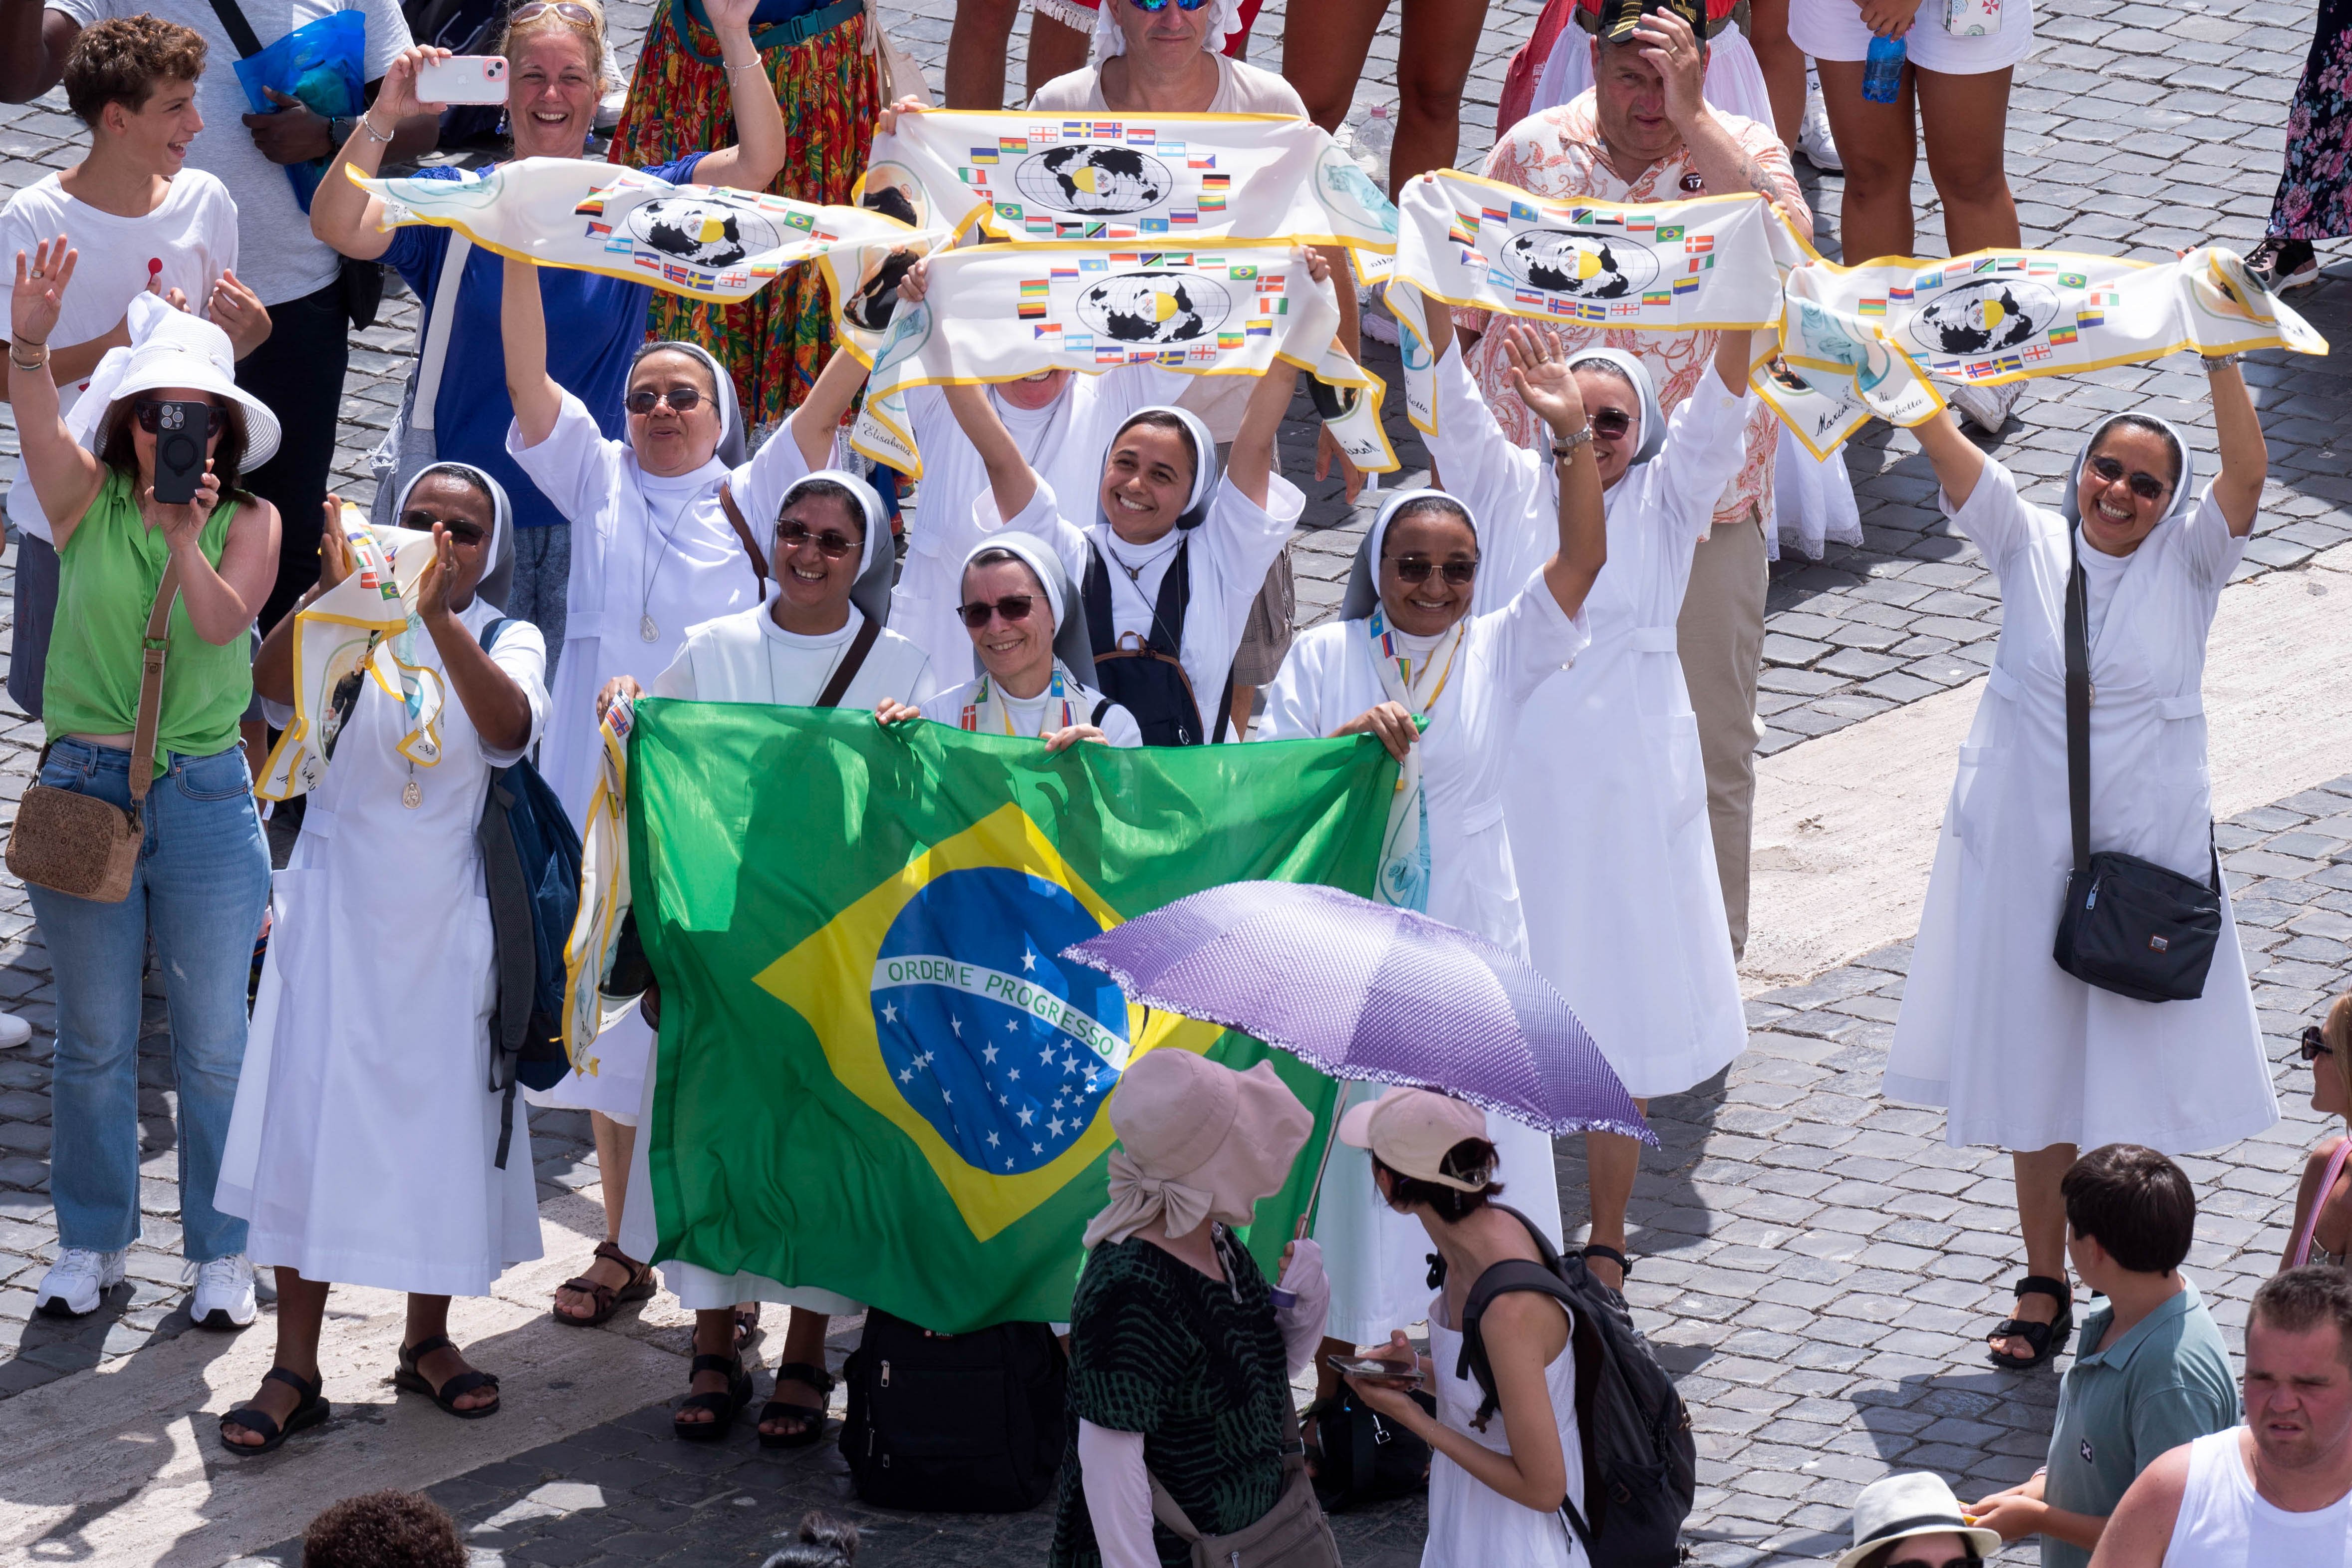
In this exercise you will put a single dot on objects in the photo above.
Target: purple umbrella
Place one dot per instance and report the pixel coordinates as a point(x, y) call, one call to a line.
point(1367, 991)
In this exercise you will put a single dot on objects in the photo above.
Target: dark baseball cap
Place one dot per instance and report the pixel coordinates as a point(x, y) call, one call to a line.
point(1618, 17)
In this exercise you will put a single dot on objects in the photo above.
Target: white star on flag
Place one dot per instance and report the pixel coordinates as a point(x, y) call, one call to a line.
point(1028, 1114)
point(987, 1053)
point(1055, 1127)
point(889, 1013)
point(991, 1140)
point(1029, 961)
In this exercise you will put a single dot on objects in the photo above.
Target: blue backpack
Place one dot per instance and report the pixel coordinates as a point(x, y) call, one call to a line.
point(530, 867)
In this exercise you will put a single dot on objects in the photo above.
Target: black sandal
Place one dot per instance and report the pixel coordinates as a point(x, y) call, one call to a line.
point(811, 1418)
point(409, 1379)
point(2047, 1338)
point(312, 1412)
point(1624, 1264)
point(723, 1408)
point(609, 1299)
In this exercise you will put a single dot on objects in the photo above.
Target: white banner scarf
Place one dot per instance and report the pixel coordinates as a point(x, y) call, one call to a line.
point(999, 312)
point(1152, 179)
point(603, 897)
point(1712, 263)
point(1864, 341)
point(707, 242)
point(366, 622)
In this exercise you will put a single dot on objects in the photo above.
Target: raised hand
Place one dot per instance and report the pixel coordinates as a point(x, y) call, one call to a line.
point(40, 291)
point(238, 311)
point(396, 100)
point(334, 550)
point(182, 524)
point(433, 587)
point(1539, 374)
point(727, 17)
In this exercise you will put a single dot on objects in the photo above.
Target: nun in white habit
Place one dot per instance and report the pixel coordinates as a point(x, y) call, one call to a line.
point(820, 639)
point(366, 1147)
point(1606, 796)
point(2016, 1051)
point(1407, 647)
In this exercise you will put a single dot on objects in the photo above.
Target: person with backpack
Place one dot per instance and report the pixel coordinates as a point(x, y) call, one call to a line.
point(365, 1148)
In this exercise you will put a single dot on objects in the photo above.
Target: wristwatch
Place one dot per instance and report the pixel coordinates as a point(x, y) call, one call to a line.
point(340, 128)
point(1564, 447)
point(2215, 361)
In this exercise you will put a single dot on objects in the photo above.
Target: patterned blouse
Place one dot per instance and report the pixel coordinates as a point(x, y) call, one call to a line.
point(1194, 1364)
point(1558, 154)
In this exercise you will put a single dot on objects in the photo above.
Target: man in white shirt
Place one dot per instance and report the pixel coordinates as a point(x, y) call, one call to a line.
point(299, 372)
point(2278, 1490)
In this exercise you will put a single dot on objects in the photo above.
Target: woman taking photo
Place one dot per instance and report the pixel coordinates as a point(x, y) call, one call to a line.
point(555, 50)
point(1493, 1496)
point(2015, 1050)
point(366, 1145)
point(202, 876)
point(2321, 1232)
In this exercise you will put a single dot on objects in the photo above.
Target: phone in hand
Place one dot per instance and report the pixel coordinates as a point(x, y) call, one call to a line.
point(180, 430)
point(463, 78)
point(1379, 1367)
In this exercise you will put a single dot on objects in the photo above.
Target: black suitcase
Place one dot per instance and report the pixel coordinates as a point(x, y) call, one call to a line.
point(972, 1423)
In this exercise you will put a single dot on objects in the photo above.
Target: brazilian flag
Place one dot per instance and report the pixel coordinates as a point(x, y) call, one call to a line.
point(877, 1072)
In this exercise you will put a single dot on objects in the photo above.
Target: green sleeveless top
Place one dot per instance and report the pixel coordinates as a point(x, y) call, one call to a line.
point(108, 573)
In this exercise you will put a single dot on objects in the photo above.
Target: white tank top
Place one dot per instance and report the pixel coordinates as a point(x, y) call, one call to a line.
point(2225, 1524)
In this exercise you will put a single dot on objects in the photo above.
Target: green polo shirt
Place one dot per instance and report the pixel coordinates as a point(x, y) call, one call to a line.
point(2161, 1385)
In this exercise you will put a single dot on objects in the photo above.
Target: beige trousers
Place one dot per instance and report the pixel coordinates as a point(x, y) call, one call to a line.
point(1721, 640)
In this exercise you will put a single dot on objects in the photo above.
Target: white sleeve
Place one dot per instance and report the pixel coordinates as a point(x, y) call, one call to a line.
point(758, 486)
point(387, 35)
point(1119, 1495)
point(1302, 1325)
point(1119, 728)
point(1996, 520)
point(1289, 710)
point(575, 468)
point(677, 680)
point(1533, 639)
point(219, 223)
point(521, 651)
point(1505, 485)
point(2211, 550)
point(84, 12)
point(1706, 441)
point(1042, 517)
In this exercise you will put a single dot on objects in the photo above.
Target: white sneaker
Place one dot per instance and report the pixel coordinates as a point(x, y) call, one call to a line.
point(76, 1282)
point(1813, 138)
point(14, 1031)
point(1986, 407)
point(224, 1297)
point(1373, 315)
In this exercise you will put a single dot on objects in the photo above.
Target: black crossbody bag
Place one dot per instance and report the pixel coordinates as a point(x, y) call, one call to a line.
point(2128, 925)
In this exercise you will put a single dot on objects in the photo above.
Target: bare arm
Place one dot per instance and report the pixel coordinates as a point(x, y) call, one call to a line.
point(1251, 461)
point(758, 155)
point(341, 213)
point(2307, 1194)
point(65, 475)
point(2021, 1512)
point(1524, 1333)
point(1010, 478)
point(493, 700)
point(2245, 458)
point(2139, 1533)
point(1957, 463)
point(34, 43)
point(1539, 374)
point(221, 602)
point(522, 322)
point(819, 414)
point(273, 662)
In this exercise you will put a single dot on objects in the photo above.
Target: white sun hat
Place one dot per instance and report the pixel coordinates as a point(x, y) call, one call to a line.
point(172, 348)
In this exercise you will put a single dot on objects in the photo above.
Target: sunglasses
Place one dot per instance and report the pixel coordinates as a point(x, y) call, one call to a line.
point(578, 16)
point(2146, 487)
point(2314, 1043)
point(832, 544)
point(149, 412)
point(1413, 569)
point(1610, 423)
point(457, 527)
point(645, 400)
point(1947, 1563)
point(1156, 7)
point(1011, 607)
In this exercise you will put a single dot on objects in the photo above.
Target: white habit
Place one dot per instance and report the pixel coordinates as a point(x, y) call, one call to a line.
point(1605, 796)
point(361, 1143)
point(2021, 1054)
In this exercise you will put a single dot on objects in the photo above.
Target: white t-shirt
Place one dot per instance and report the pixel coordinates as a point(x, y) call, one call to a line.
point(2100, 573)
point(186, 243)
point(283, 261)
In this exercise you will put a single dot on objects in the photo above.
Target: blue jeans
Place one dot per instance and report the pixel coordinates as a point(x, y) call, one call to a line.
point(201, 886)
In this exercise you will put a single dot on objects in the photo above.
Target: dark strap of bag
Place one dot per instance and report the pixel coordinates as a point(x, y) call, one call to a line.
point(240, 31)
point(151, 687)
point(1101, 708)
point(743, 530)
point(868, 633)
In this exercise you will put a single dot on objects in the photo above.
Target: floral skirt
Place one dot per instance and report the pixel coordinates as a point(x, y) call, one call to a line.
point(2314, 194)
point(775, 342)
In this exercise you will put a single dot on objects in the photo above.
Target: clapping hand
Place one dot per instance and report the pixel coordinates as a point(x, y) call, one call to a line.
point(238, 311)
point(433, 587)
point(1539, 374)
point(40, 291)
point(334, 550)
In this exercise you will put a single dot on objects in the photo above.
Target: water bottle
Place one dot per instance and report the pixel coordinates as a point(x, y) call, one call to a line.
point(1882, 70)
point(1373, 135)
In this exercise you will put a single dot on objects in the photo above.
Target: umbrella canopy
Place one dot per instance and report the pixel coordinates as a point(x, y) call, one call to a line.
point(1371, 992)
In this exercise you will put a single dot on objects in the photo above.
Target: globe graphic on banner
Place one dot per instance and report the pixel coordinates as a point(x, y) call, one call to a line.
point(1985, 318)
point(702, 230)
point(1583, 265)
point(1154, 308)
point(1095, 182)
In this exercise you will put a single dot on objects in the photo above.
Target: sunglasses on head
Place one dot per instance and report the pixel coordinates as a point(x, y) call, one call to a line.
point(1413, 569)
point(833, 544)
point(2314, 1043)
point(1011, 607)
point(149, 412)
point(2146, 487)
point(463, 529)
point(1610, 423)
point(1155, 6)
point(645, 400)
point(577, 14)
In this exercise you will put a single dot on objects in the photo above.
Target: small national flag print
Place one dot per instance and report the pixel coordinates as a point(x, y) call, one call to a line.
point(1036, 286)
point(1609, 220)
point(1979, 369)
point(1626, 308)
point(1079, 342)
point(1201, 161)
point(1123, 258)
point(1041, 133)
point(1899, 294)
point(1871, 308)
point(1642, 225)
point(2062, 334)
point(1142, 137)
point(1153, 258)
point(1180, 219)
point(1273, 305)
point(1076, 130)
point(1013, 143)
point(1527, 297)
point(1105, 130)
point(677, 275)
point(735, 280)
point(1050, 330)
point(1065, 273)
point(1699, 245)
point(1039, 226)
point(1171, 149)
point(1229, 340)
point(1592, 313)
point(1092, 264)
point(1155, 226)
point(600, 228)
point(1560, 306)
point(1668, 232)
point(1258, 329)
point(2037, 353)
point(1204, 353)
point(1271, 285)
point(2011, 264)
point(1010, 211)
point(2041, 269)
point(2009, 363)
point(763, 273)
point(1522, 213)
point(1498, 217)
point(1033, 310)
point(2107, 296)
point(1658, 297)
point(983, 154)
point(975, 177)
point(1464, 232)
point(1584, 215)
point(1701, 263)
point(1931, 279)
point(800, 220)
point(2086, 319)
point(650, 263)
point(2073, 280)
point(1686, 285)
point(1110, 356)
point(1241, 273)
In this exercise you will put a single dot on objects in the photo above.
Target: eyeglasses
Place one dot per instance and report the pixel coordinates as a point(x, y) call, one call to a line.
point(2314, 1043)
point(1155, 6)
point(149, 412)
point(1413, 569)
point(577, 14)
point(832, 545)
point(2148, 487)
point(1610, 423)
point(1011, 607)
point(460, 528)
point(645, 400)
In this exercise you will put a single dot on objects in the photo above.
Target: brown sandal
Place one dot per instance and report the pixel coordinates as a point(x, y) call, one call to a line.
point(608, 1299)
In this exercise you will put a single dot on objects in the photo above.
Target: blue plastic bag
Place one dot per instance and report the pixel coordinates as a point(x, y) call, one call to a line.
point(320, 63)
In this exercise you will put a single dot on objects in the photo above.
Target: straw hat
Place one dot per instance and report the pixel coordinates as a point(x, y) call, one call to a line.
point(1900, 1507)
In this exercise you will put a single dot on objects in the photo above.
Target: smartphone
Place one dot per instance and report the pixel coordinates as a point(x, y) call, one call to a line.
point(180, 429)
point(463, 78)
point(1371, 1366)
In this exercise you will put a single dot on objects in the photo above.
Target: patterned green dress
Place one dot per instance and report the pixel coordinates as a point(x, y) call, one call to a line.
point(1195, 1366)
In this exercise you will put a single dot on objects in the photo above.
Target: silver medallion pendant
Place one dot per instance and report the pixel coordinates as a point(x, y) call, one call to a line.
point(412, 795)
point(648, 630)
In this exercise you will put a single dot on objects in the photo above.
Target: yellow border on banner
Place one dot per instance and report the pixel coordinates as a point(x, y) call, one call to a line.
point(296, 733)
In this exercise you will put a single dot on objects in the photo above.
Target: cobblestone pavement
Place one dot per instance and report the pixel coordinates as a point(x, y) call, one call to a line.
point(1850, 1258)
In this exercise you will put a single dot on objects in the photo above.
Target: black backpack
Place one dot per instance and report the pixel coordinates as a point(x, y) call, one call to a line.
point(1641, 1463)
point(530, 869)
point(1362, 1456)
point(972, 1423)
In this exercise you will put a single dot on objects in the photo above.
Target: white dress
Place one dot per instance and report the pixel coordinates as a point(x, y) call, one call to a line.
point(746, 658)
point(1471, 1525)
point(1063, 442)
point(1376, 1257)
point(2021, 1054)
point(1606, 798)
point(361, 1149)
point(644, 549)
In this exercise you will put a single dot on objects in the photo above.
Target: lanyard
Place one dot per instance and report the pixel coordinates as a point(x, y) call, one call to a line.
point(982, 698)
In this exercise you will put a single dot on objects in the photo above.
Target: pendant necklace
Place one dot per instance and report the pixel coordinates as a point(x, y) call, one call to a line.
point(646, 628)
point(412, 794)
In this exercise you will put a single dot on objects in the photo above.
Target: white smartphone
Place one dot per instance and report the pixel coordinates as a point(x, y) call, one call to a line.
point(463, 78)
